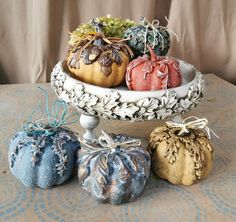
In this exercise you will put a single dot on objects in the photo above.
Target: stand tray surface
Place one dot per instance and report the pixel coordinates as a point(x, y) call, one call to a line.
point(119, 103)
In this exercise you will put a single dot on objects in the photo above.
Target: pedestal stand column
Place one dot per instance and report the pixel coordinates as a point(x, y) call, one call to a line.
point(89, 123)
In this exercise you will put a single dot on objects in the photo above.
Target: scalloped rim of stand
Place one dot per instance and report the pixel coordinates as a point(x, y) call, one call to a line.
point(123, 104)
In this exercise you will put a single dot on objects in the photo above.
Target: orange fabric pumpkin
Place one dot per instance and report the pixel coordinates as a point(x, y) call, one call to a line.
point(99, 60)
point(158, 72)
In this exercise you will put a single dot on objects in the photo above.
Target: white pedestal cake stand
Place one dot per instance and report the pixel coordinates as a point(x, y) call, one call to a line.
point(119, 103)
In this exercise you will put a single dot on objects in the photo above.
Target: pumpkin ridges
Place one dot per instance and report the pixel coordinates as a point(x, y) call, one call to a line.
point(31, 173)
point(188, 173)
point(208, 154)
point(82, 170)
point(48, 173)
point(194, 148)
point(131, 66)
point(102, 172)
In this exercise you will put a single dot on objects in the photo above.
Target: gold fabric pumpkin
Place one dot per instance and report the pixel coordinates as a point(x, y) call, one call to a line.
point(98, 60)
point(180, 159)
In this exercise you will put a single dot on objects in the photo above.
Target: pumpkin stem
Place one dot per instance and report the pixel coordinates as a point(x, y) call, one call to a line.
point(98, 28)
point(97, 25)
point(152, 53)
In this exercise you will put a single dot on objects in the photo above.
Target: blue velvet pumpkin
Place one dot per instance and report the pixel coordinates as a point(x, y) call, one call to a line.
point(43, 160)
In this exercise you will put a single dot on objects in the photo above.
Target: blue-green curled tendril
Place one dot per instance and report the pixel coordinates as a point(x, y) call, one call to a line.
point(58, 116)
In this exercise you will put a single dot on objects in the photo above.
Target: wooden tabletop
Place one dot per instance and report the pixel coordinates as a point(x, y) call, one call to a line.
point(213, 199)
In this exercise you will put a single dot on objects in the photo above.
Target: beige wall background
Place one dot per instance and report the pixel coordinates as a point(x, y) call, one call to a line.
point(34, 33)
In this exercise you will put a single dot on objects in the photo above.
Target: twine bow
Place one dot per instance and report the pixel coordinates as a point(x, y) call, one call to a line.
point(58, 117)
point(106, 142)
point(156, 29)
point(196, 123)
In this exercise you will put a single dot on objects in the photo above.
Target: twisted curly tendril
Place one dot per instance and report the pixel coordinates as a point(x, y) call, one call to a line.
point(58, 116)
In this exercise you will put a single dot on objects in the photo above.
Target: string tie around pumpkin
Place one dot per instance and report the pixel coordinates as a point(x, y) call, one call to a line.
point(106, 142)
point(191, 123)
point(156, 29)
point(59, 116)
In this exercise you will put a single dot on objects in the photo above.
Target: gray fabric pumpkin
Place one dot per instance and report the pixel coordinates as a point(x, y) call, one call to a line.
point(116, 173)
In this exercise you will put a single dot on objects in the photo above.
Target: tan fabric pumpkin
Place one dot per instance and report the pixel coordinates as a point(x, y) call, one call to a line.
point(98, 60)
point(93, 73)
point(180, 159)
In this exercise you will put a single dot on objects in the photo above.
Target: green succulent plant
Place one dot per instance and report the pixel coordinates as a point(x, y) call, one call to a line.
point(113, 27)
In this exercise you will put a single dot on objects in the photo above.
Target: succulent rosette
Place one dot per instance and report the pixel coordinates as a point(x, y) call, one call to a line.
point(113, 27)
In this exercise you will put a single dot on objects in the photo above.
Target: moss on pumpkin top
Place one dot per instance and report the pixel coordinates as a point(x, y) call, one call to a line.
point(113, 27)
